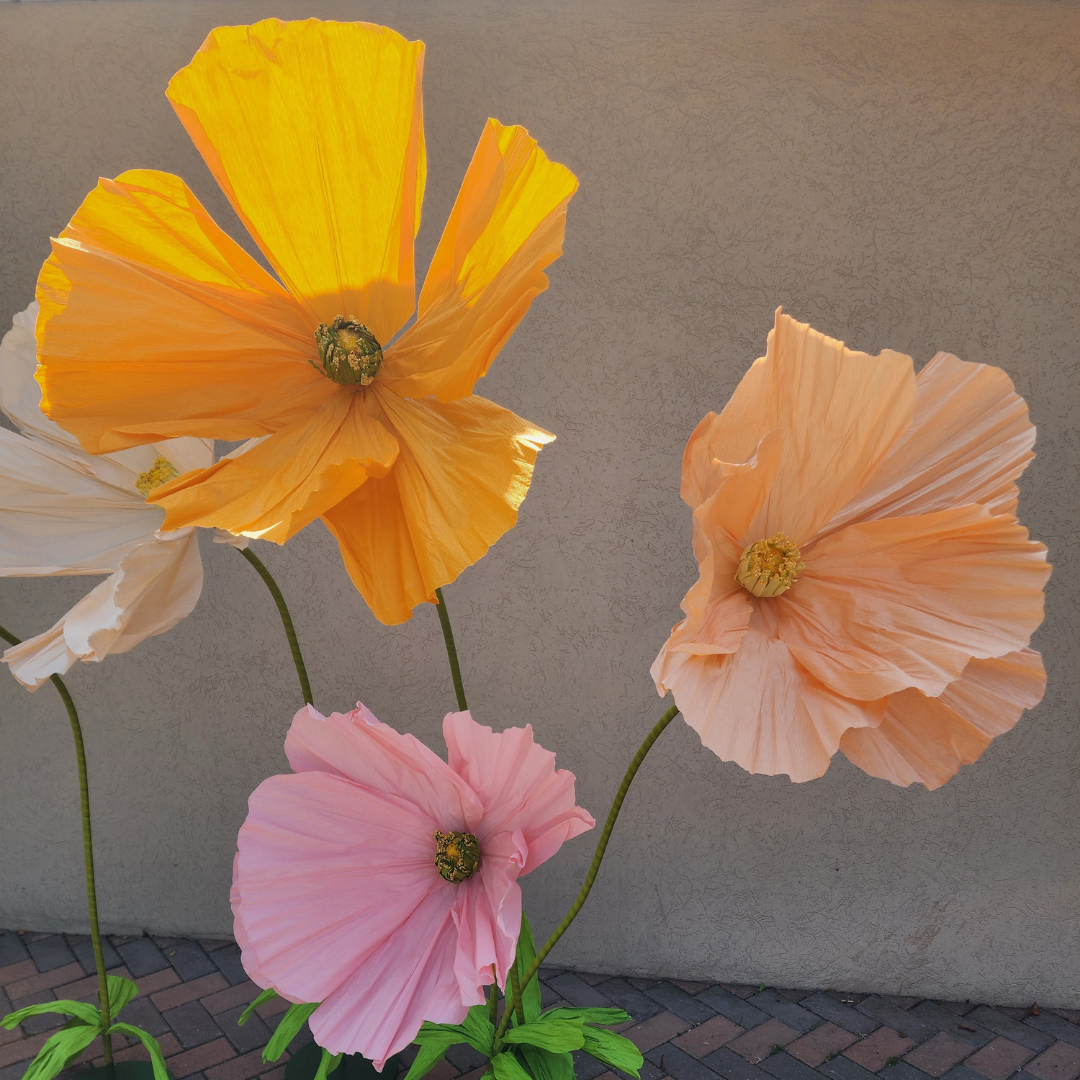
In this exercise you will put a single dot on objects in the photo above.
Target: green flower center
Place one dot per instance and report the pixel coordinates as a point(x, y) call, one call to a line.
point(349, 353)
point(457, 855)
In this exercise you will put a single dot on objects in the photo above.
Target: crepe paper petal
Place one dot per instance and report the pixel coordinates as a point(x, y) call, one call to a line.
point(897, 627)
point(335, 888)
point(463, 469)
point(907, 602)
point(155, 586)
point(488, 917)
point(58, 517)
point(729, 438)
point(968, 442)
point(518, 785)
point(761, 709)
point(314, 131)
point(717, 607)
point(146, 304)
point(383, 760)
point(20, 395)
point(507, 225)
point(67, 512)
point(926, 739)
point(838, 412)
point(289, 479)
point(20, 401)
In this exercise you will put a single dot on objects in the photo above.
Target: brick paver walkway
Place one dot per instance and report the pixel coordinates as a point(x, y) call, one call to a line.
point(193, 991)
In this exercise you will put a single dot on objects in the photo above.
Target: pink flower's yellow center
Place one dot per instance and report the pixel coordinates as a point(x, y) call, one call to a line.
point(161, 472)
point(349, 353)
point(457, 855)
point(768, 568)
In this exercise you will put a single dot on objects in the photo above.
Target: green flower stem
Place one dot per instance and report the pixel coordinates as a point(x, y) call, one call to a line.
point(493, 1003)
point(88, 854)
point(515, 985)
point(286, 620)
point(594, 867)
point(451, 653)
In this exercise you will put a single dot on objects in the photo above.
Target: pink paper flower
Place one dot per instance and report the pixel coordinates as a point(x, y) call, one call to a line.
point(336, 893)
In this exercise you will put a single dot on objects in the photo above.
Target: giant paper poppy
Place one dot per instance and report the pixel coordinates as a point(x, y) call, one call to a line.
point(381, 881)
point(155, 324)
point(864, 584)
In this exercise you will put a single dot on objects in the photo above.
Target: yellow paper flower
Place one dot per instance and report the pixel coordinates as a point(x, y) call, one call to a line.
point(155, 324)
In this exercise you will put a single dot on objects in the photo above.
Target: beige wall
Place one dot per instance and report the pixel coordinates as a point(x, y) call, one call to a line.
point(899, 174)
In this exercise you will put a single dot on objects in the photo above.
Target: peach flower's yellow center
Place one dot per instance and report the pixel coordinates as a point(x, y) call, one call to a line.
point(349, 353)
point(457, 855)
point(768, 568)
point(161, 472)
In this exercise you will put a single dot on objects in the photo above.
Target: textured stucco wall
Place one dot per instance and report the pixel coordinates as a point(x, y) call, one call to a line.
point(899, 174)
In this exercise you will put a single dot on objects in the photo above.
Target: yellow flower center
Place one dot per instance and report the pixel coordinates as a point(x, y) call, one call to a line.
point(768, 568)
point(349, 352)
point(161, 472)
point(457, 855)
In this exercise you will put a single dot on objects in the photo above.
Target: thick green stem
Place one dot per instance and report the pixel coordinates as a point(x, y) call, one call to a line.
point(493, 1003)
point(515, 986)
point(88, 854)
point(451, 652)
point(594, 866)
point(286, 620)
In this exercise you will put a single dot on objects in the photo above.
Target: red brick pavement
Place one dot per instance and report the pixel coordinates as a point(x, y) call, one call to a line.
point(192, 991)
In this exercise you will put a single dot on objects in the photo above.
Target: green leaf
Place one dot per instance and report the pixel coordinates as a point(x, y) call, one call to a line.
point(607, 1017)
point(83, 1011)
point(433, 1043)
point(328, 1064)
point(157, 1058)
point(287, 1030)
point(60, 1049)
point(613, 1049)
point(429, 1031)
point(266, 995)
point(526, 953)
point(478, 1030)
point(545, 1065)
point(507, 1067)
point(121, 991)
point(558, 1036)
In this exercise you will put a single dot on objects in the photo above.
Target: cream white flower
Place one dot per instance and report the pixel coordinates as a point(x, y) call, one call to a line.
point(64, 511)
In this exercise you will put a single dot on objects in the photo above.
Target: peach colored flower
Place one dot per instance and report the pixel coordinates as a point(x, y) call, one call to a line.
point(381, 880)
point(864, 582)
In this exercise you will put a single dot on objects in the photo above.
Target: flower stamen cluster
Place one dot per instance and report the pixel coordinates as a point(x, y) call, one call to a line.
point(769, 567)
point(161, 472)
point(457, 855)
point(349, 353)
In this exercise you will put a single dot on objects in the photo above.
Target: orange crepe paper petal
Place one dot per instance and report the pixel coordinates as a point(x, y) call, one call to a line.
point(154, 324)
point(968, 442)
point(463, 471)
point(926, 740)
point(289, 479)
point(907, 602)
point(314, 131)
point(728, 438)
point(838, 412)
point(759, 708)
point(507, 225)
point(377, 549)
point(717, 607)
